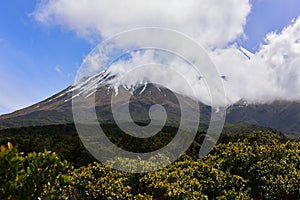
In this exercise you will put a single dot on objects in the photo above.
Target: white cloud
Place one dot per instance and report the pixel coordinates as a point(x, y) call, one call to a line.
point(58, 70)
point(63, 74)
point(270, 74)
point(246, 79)
point(173, 73)
point(273, 73)
point(281, 52)
point(212, 23)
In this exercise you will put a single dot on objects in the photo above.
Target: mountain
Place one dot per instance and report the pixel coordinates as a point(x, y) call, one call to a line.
point(58, 108)
point(280, 115)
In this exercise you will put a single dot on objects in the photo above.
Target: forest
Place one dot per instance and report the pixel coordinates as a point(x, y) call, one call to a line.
point(255, 165)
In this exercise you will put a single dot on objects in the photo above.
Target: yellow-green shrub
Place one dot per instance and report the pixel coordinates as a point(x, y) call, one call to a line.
point(260, 166)
point(32, 176)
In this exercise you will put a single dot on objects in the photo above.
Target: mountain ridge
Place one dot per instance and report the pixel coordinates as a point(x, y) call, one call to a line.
point(57, 109)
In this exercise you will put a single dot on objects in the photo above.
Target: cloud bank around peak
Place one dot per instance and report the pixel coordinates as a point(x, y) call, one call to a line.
point(212, 23)
point(272, 73)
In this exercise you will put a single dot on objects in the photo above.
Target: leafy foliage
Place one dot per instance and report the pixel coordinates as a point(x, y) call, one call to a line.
point(31, 176)
point(272, 168)
point(257, 166)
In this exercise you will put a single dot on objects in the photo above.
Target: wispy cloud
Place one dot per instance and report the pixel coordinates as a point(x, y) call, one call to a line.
point(58, 70)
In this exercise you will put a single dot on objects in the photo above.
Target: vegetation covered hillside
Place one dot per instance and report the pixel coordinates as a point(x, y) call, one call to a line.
point(258, 166)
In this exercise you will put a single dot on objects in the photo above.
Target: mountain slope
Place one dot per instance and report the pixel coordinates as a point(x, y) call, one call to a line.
point(280, 115)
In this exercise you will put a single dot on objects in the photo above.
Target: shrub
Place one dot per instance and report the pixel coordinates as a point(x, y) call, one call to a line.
point(32, 176)
point(259, 166)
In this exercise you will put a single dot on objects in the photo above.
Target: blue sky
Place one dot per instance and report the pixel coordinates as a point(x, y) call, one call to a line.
point(38, 60)
point(35, 60)
point(267, 16)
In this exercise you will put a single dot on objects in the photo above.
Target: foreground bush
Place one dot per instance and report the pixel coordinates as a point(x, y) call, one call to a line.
point(32, 176)
point(260, 166)
point(194, 180)
point(271, 168)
